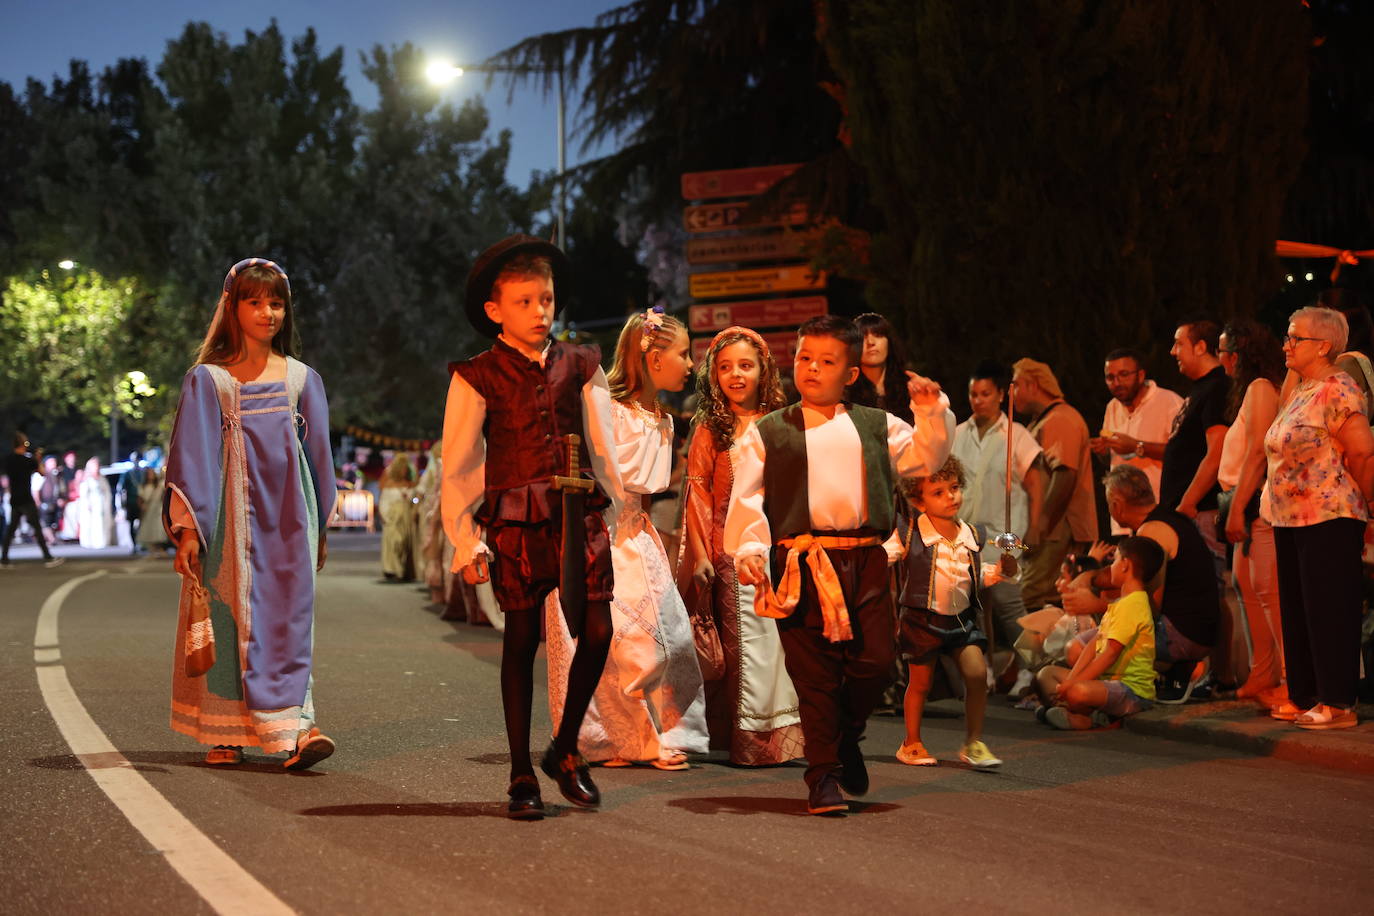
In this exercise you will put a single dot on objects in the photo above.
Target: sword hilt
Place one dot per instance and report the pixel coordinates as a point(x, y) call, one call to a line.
point(574, 480)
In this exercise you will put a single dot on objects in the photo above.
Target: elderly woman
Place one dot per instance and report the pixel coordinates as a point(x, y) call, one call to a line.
point(1316, 497)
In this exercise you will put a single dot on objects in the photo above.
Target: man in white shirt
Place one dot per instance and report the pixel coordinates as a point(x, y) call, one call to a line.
point(1139, 413)
point(980, 443)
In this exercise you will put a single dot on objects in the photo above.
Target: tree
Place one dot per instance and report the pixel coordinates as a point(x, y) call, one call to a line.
point(680, 86)
point(1057, 179)
point(67, 347)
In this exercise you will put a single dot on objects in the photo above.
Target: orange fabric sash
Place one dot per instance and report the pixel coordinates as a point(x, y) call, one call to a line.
point(783, 601)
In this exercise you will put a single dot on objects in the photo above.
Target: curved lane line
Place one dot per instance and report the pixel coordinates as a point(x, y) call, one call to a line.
point(222, 882)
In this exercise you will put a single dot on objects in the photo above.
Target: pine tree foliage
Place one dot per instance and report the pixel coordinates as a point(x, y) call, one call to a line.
point(1061, 178)
point(687, 85)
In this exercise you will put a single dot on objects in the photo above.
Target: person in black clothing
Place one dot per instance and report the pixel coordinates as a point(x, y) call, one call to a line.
point(1189, 607)
point(1192, 456)
point(19, 468)
point(126, 495)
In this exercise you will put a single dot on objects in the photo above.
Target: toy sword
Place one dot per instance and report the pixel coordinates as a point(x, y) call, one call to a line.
point(572, 570)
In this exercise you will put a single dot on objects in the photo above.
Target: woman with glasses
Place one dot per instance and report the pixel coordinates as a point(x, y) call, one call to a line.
point(1316, 497)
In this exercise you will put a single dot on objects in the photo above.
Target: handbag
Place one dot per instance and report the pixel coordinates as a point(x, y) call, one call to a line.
point(710, 653)
point(199, 650)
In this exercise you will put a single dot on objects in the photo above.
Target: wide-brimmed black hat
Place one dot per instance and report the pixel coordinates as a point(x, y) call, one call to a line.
point(489, 264)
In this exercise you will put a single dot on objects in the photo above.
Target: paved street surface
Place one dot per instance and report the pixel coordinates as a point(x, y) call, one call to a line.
point(407, 816)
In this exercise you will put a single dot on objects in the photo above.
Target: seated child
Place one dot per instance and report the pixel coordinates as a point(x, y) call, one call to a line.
point(939, 608)
point(1114, 675)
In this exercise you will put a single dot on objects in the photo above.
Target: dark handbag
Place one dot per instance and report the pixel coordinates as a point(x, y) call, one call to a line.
point(199, 650)
point(705, 636)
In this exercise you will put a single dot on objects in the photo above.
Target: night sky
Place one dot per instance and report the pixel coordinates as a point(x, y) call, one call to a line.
point(39, 37)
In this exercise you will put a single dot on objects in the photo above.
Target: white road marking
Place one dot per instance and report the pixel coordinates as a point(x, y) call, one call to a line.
point(222, 882)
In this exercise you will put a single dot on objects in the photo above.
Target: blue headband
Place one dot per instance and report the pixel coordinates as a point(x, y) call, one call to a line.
point(255, 262)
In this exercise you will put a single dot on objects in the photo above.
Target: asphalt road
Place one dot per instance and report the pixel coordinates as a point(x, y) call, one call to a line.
point(408, 815)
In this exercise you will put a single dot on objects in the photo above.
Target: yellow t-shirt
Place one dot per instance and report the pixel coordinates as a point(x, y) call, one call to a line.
point(1129, 621)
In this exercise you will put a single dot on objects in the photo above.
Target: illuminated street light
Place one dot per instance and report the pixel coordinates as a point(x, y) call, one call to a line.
point(441, 73)
point(1307, 277)
point(66, 264)
point(1289, 278)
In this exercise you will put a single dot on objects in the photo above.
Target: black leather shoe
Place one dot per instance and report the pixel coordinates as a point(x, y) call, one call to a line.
point(525, 803)
point(853, 770)
point(826, 798)
point(574, 778)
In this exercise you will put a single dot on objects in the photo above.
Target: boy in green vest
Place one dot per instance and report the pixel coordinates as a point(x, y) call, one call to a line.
point(814, 493)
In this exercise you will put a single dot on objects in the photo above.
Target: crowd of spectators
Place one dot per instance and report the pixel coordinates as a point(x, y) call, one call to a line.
point(48, 503)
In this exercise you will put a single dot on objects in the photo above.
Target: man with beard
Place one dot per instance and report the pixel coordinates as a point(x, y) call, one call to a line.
point(1138, 419)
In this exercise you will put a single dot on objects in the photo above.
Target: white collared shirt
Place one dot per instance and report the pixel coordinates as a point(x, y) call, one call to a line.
point(1151, 421)
point(985, 460)
point(951, 586)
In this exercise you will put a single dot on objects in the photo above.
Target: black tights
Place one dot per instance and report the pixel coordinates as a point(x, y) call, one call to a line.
point(521, 643)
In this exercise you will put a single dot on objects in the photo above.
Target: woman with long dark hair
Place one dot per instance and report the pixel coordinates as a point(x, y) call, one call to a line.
point(249, 492)
point(882, 368)
point(1252, 357)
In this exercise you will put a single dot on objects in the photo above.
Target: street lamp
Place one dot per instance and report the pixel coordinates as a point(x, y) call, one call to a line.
point(66, 263)
point(442, 72)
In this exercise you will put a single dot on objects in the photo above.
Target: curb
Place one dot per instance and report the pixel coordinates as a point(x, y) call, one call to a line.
point(1239, 725)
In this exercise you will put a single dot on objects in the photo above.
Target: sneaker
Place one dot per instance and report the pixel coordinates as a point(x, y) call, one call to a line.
point(915, 755)
point(52, 562)
point(977, 755)
point(1022, 687)
point(1058, 716)
point(826, 797)
point(1285, 712)
point(1322, 717)
point(1172, 692)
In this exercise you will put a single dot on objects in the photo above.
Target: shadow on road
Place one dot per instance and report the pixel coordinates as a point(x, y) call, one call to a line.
point(430, 809)
point(159, 761)
point(747, 804)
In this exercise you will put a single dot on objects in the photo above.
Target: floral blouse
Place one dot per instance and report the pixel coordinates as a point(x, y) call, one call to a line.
point(1308, 481)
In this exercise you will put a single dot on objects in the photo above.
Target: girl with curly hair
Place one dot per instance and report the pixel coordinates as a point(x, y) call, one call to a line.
point(751, 707)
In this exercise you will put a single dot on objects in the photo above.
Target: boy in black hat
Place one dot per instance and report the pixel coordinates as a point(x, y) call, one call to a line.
point(509, 410)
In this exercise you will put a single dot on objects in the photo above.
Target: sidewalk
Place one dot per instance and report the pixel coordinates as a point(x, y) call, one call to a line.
point(1242, 725)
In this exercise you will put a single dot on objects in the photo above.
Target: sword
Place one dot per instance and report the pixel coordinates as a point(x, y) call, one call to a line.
point(572, 570)
point(1008, 540)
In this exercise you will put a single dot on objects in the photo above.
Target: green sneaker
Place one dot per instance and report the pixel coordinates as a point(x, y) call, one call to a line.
point(977, 755)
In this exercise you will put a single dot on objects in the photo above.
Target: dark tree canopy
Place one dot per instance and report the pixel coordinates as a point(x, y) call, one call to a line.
point(1061, 178)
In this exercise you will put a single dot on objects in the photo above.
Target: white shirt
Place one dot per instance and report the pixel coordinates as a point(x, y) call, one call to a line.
point(837, 495)
point(950, 583)
point(985, 459)
point(465, 456)
point(1151, 421)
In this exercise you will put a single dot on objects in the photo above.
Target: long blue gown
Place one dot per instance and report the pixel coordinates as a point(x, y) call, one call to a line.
point(257, 479)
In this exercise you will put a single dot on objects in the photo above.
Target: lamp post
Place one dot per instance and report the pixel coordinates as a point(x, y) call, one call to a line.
point(442, 73)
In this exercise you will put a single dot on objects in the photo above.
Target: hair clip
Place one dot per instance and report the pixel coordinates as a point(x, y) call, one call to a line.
point(653, 320)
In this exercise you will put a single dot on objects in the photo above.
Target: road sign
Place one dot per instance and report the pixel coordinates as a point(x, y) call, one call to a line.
point(754, 281)
point(718, 217)
point(767, 246)
point(783, 345)
point(734, 182)
point(761, 313)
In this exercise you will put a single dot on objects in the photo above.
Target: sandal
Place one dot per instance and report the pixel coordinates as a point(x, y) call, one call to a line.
point(677, 761)
point(616, 762)
point(224, 755)
point(310, 750)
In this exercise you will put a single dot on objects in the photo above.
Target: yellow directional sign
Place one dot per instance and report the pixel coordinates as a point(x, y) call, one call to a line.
point(754, 281)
